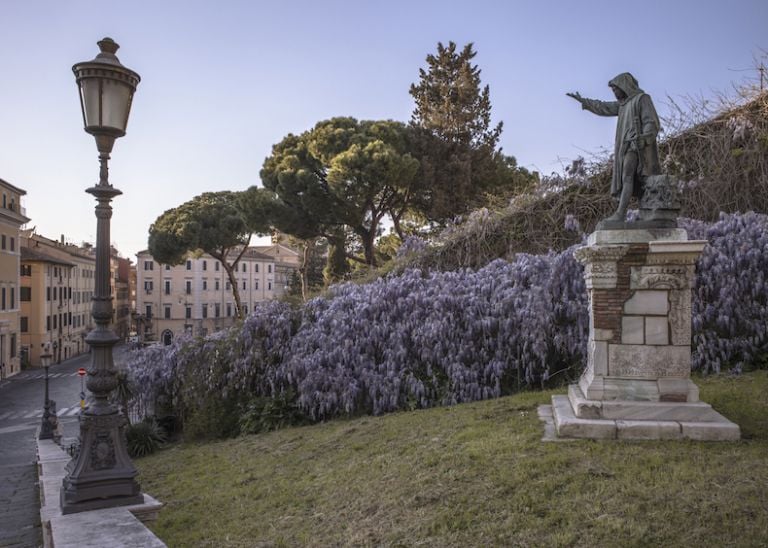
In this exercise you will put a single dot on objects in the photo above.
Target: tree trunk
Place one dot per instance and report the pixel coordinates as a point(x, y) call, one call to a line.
point(336, 267)
point(368, 238)
point(233, 282)
point(396, 225)
point(308, 253)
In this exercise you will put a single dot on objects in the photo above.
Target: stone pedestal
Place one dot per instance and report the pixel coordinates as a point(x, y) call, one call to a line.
point(636, 382)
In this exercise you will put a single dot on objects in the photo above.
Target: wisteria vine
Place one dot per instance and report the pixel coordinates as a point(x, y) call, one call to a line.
point(422, 339)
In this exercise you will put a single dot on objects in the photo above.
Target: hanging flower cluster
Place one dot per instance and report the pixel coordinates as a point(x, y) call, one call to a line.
point(422, 339)
point(730, 300)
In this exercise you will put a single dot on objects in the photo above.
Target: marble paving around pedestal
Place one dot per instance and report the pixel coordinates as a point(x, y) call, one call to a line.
point(636, 420)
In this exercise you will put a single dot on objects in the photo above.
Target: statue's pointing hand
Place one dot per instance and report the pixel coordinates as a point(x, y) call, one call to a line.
point(576, 95)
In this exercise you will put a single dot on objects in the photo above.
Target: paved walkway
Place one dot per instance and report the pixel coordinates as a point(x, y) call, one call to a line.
point(19, 506)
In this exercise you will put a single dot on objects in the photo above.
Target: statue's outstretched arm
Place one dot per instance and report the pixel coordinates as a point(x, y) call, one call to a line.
point(601, 108)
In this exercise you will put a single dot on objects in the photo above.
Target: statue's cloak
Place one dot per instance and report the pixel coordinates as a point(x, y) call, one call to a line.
point(636, 115)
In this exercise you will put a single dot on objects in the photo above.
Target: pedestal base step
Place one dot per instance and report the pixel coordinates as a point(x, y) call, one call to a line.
point(568, 425)
point(627, 409)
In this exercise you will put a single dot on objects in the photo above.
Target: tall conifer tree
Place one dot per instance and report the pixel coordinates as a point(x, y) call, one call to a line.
point(455, 141)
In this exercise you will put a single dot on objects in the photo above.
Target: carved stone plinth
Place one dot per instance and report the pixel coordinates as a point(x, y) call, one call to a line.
point(639, 348)
point(100, 475)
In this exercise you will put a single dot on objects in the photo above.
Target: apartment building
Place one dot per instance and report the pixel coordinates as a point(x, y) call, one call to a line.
point(287, 263)
point(12, 217)
point(57, 284)
point(195, 297)
point(121, 294)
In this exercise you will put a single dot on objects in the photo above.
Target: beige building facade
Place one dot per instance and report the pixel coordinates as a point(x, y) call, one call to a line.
point(195, 297)
point(11, 220)
point(57, 284)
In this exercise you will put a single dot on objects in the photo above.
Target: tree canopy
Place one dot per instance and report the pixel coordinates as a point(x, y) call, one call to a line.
point(342, 174)
point(454, 139)
point(218, 223)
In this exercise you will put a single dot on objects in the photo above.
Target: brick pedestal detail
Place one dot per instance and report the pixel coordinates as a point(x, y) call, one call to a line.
point(639, 349)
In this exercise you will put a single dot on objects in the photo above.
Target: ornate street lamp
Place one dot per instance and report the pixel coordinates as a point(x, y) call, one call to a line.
point(50, 423)
point(101, 474)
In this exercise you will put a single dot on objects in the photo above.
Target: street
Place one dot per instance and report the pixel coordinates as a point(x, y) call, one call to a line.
point(21, 410)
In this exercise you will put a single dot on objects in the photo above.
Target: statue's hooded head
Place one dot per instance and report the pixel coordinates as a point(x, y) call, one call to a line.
point(626, 83)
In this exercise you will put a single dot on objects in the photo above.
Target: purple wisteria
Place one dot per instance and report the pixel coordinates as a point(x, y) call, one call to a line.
point(422, 339)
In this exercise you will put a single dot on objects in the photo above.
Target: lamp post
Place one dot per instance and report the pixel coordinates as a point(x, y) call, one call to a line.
point(50, 423)
point(101, 473)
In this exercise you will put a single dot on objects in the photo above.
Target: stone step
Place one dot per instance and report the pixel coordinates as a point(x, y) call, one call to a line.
point(568, 425)
point(640, 410)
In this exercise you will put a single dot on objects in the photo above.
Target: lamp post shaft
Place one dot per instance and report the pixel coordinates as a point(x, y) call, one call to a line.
point(101, 473)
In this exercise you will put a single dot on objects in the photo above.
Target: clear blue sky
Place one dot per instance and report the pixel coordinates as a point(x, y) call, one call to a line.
point(222, 81)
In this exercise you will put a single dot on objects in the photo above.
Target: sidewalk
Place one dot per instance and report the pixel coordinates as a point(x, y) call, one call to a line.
point(110, 527)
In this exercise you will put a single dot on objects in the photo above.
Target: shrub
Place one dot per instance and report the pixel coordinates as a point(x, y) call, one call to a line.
point(427, 338)
point(144, 438)
point(730, 300)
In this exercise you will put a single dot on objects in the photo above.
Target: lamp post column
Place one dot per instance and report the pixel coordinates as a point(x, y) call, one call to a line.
point(49, 425)
point(101, 474)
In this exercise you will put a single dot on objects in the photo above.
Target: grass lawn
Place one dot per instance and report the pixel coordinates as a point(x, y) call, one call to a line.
point(470, 475)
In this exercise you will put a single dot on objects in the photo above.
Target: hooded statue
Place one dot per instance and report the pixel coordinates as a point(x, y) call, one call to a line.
point(636, 154)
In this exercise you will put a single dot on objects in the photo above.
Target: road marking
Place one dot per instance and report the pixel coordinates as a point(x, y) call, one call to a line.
point(60, 412)
point(5, 415)
point(18, 428)
point(73, 411)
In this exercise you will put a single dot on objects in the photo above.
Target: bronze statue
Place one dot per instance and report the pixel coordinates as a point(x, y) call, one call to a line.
point(636, 155)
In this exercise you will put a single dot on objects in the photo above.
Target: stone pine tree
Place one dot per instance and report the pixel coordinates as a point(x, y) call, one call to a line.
point(455, 140)
point(341, 178)
point(218, 223)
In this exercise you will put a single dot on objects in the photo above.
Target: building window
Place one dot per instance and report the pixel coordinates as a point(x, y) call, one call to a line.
point(149, 311)
point(148, 287)
point(167, 267)
point(69, 293)
point(205, 265)
point(24, 324)
point(167, 287)
point(2, 298)
point(13, 345)
point(55, 321)
point(205, 285)
point(188, 312)
point(256, 267)
point(48, 293)
point(189, 287)
point(13, 298)
point(269, 286)
point(189, 265)
point(2, 241)
point(149, 265)
point(256, 284)
point(55, 293)
point(245, 309)
point(269, 269)
point(205, 310)
point(229, 285)
point(217, 310)
point(244, 285)
point(216, 266)
point(167, 312)
point(26, 270)
point(217, 285)
point(13, 246)
point(229, 310)
point(47, 323)
point(244, 269)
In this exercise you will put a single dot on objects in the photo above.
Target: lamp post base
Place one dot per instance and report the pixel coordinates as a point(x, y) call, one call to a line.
point(101, 475)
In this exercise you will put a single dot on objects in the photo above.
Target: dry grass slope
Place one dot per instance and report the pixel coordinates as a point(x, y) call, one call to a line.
point(470, 475)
